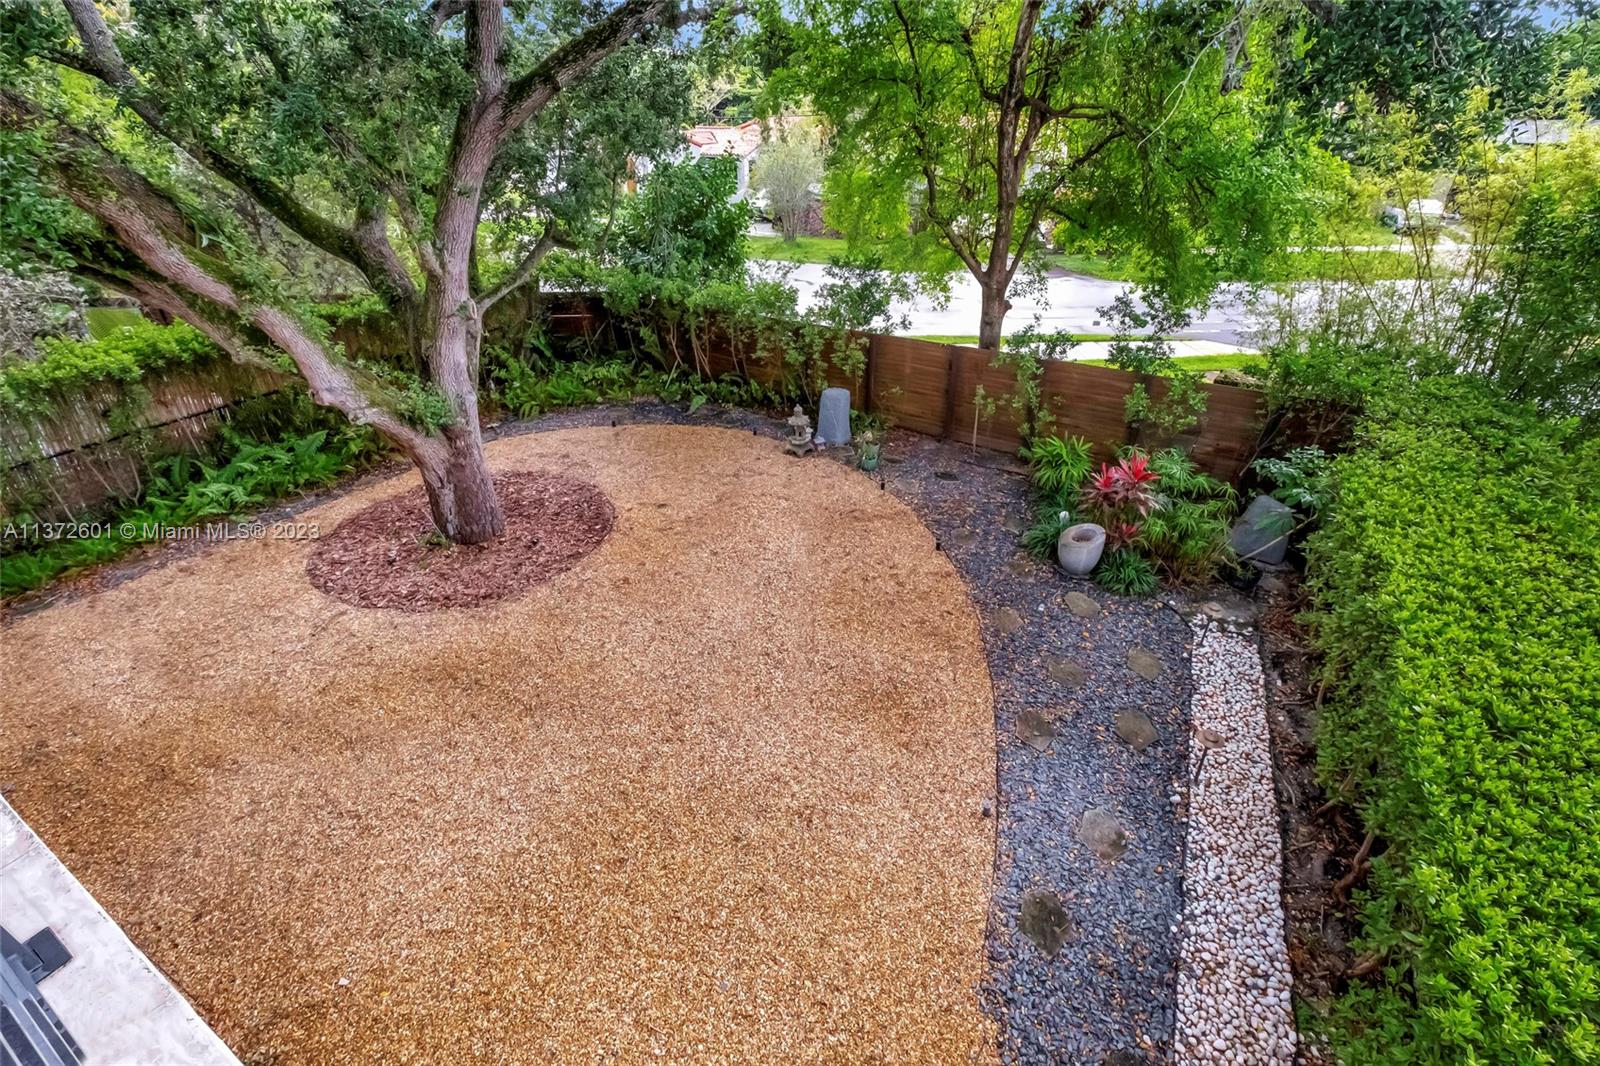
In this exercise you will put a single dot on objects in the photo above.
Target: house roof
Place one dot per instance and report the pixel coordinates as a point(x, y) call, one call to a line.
point(741, 140)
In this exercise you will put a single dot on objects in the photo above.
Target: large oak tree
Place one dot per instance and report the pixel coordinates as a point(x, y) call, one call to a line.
point(192, 154)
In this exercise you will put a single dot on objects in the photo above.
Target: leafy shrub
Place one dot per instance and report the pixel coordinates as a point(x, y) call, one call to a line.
point(1457, 582)
point(1059, 465)
point(124, 356)
point(1040, 539)
point(529, 389)
point(1186, 535)
point(1124, 493)
point(1125, 572)
point(1303, 478)
point(686, 220)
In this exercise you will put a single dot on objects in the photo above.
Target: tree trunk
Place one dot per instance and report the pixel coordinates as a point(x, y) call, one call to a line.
point(995, 306)
point(461, 492)
point(460, 489)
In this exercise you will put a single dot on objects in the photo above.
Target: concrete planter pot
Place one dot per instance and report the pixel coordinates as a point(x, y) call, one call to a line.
point(1079, 547)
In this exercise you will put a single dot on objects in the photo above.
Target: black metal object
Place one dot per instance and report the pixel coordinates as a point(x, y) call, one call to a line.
point(31, 1034)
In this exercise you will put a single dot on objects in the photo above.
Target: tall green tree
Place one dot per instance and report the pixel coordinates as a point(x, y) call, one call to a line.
point(1135, 124)
point(1426, 56)
point(180, 150)
point(787, 174)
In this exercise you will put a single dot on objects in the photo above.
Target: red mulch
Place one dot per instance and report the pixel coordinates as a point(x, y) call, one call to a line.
point(385, 556)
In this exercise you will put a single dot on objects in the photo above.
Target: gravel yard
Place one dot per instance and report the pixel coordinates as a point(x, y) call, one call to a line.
point(715, 793)
point(1234, 987)
point(1091, 720)
point(806, 779)
point(1091, 727)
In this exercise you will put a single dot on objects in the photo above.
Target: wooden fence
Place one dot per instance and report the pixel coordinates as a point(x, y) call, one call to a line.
point(75, 459)
point(932, 388)
point(84, 452)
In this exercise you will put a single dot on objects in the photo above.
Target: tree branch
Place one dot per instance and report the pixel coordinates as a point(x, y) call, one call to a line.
point(531, 93)
point(127, 207)
point(442, 11)
point(102, 60)
point(518, 277)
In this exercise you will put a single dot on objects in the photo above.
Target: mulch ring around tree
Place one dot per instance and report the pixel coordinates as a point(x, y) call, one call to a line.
point(389, 555)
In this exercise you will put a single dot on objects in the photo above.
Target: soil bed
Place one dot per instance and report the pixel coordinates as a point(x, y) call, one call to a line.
point(388, 555)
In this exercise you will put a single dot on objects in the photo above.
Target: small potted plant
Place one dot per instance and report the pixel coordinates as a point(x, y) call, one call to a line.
point(870, 432)
point(869, 449)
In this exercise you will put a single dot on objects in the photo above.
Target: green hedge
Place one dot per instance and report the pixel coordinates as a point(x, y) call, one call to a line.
point(125, 355)
point(1457, 583)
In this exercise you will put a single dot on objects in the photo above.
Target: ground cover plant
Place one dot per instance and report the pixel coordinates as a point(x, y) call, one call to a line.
point(123, 356)
point(1457, 583)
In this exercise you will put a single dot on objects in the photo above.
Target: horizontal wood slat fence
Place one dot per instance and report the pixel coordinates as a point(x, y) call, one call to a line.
point(75, 459)
point(931, 388)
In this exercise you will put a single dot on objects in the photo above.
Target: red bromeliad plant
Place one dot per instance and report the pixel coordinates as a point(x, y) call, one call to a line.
point(1121, 535)
point(1122, 496)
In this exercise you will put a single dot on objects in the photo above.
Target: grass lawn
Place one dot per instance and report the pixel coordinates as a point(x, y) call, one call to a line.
point(1309, 265)
point(104, 321)
point(1202, 363)
point(1110, 267)
point(1314, 264)
point(800, 250)
point(971, 339)
point(816, 250)
point(1285, 266)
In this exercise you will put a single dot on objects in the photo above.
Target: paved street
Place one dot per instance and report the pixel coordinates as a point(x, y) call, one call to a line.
point(1071, 302)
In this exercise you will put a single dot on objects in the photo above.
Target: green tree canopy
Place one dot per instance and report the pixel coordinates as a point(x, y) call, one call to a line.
point(1143, 126)
point(200, 156)
point(1426, 56)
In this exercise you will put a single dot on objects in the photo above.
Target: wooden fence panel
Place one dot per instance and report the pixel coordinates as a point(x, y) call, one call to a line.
point(1088, 402)
point(997, 423)
point(909, 380)
point(75, 459)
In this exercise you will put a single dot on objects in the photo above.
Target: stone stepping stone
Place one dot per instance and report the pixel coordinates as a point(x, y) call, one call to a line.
point(947, 475)
point(1144, 662)
point(1035, 729)
point(1006, 620)
point(1103, 834)
point(1081, 605)
point(963, 538)
point(1014, 525)
point(1044, 920)
point(1063, 671)
point(1135, 727)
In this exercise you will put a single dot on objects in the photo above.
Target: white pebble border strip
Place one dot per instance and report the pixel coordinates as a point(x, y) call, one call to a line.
point(1234, 980)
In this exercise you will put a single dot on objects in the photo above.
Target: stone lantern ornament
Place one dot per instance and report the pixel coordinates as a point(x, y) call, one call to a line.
point(799, 441)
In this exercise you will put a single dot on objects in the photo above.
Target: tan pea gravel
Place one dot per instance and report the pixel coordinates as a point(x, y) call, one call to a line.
point(712, 795)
